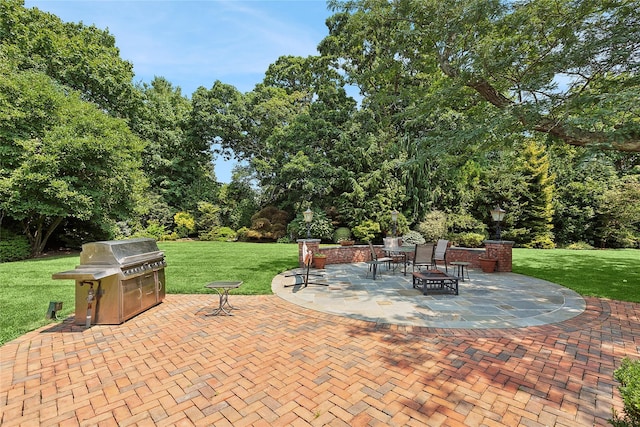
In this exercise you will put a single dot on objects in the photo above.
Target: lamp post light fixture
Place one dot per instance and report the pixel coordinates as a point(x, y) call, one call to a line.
point(497, 214)
point(394, 219)
point(308, 217)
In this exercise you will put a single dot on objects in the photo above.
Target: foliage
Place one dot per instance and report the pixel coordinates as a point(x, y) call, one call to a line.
point(62, 158)
point(270, 223)
point(433, 226)
point(628, 375)
point(341, 233)
point(367, 230)
point(412, 237)
point(185, 224)
point(460, 222)
point(243, 234)
point(536, 198)
point(13, 247)
point(320, 227)
point(177, 162)
point(219, 234)
point(582, 179)
point(208, 217)
point(398, 52)
point(619, 214)
point(154, 230)
point(83, 58)
point(467, 239)
point(386, 224)
point(448, 125)
point(238, 200)
point(579, 246)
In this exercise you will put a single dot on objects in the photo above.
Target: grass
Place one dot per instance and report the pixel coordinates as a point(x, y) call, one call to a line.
point(26, 287)
point(192, 265)
point(613, 274)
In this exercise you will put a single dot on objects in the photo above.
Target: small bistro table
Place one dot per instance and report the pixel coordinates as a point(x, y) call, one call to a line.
point(223, 288)
point(461, 267)
point(401, 252)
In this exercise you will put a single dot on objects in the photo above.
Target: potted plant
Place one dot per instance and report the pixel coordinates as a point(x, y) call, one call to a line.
point(319, 260)
point(346, 242)
point(488, 264)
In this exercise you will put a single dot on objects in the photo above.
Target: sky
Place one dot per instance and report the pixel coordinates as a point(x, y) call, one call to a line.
point(193, 43)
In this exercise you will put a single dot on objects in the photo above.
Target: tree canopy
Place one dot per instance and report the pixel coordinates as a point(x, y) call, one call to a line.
point(565, 68)
point(462, 105)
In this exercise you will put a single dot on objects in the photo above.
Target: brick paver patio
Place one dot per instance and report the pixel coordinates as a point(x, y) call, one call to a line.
point(274, 363)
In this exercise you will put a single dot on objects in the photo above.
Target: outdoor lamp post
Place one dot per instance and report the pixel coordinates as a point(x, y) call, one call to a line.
point(394, 219)
point(308, 216)
point(497, 214)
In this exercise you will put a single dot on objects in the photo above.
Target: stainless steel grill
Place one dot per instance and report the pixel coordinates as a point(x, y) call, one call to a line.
point(117, 280)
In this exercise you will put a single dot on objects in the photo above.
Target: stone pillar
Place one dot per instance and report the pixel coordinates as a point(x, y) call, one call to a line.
point(313, 246)
point(502, 250)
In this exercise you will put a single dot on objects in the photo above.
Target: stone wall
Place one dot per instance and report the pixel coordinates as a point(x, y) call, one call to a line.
point(502, 250)
point(466, 255)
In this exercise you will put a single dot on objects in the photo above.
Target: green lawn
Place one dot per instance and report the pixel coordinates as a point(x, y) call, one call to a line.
point(26, 287)
point(612, 273)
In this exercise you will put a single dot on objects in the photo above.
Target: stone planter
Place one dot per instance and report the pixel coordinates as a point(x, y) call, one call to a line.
point(488, 265)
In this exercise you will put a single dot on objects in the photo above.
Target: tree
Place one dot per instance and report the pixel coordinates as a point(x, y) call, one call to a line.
point(564, 68)
point(619, 215)
point(177, 162)
point(81, 57)
point(537, 197)
point(62, 158)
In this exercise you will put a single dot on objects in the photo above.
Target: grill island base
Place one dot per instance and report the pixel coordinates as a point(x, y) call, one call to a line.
point(116, 280)
point(436, 282)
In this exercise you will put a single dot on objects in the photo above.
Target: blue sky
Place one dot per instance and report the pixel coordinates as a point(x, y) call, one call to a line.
point(195, 43)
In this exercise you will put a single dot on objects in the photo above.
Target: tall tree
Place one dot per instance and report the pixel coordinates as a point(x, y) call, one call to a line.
point(82, 57)
point(62, 158)
point(537, 215)
point(177, 162)
point(565, 68)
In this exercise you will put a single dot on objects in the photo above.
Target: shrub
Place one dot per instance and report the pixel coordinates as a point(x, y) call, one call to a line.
point(170, 237)
point(579, 246)
point(219, 234)
point(13, 247)
point(341, 233)
point(464, 222)
point(467, 240)
point(540, 242)
point(185, 224)
point(268, 224)
point(367, 230)
point(412, 237)
point(154, 231)
point(208, 217)
point(628, 374)
point(434, 226)
point(320, 228)
point(241, 234)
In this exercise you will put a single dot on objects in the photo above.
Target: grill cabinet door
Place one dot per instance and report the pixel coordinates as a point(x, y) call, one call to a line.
point(131, 298)
point(160, 284)
point(148, 286)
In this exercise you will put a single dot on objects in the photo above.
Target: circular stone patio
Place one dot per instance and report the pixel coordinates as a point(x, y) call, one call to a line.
point(486, 300)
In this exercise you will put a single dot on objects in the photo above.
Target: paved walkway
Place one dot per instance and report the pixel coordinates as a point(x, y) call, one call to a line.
point(498, 300)
point(275, 363)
